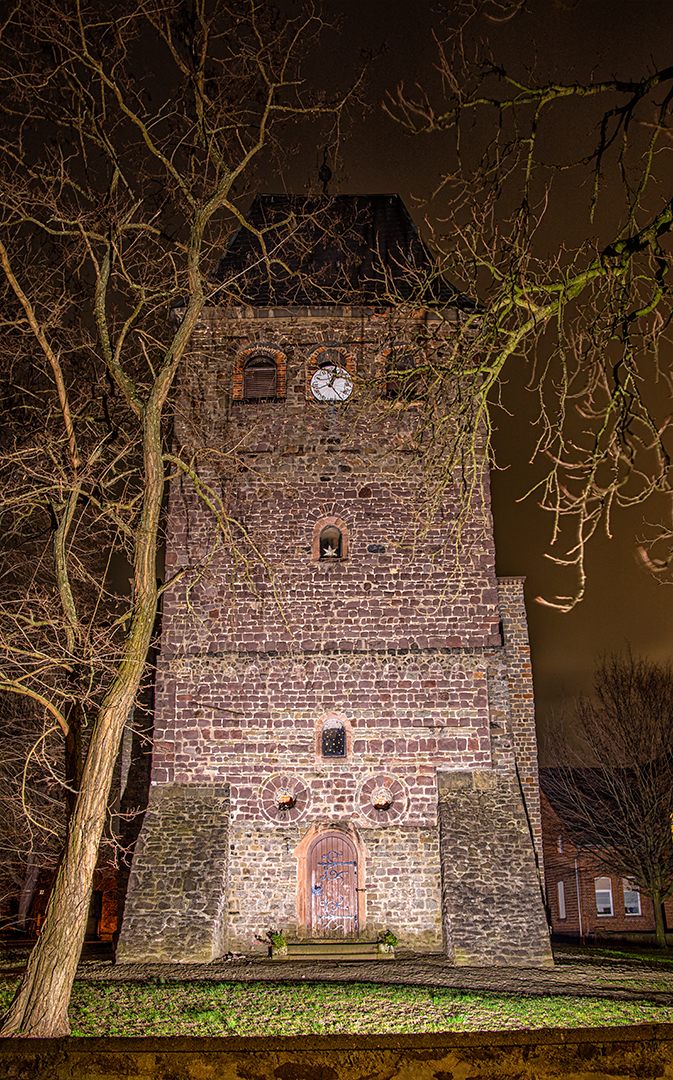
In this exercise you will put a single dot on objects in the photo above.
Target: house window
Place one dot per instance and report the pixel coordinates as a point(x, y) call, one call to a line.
point(560, 844)
point(330, 543)
point(333, 739)
point(603, 887)
point(561, 893)
point(259, 378)
point(631, 898)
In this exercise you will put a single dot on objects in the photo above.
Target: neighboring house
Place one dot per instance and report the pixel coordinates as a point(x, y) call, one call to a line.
point(343, 734)
point(586, 900)
point(102, 918)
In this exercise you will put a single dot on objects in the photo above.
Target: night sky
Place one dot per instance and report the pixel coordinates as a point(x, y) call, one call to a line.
point(564, 40)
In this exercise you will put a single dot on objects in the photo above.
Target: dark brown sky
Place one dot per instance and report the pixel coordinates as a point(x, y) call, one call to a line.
point(567, 41)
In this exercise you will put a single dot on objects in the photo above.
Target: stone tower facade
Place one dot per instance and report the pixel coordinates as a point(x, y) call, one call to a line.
point(344, 729)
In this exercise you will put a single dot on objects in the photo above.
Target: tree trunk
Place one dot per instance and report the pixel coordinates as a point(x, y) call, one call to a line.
point(73, 758)
point(40, 1007)
point(659, 928)
point(27, 892)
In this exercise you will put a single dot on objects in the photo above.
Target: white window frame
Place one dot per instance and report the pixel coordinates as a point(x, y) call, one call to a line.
point(603, 889)
point(628, 886)
point(561, 897)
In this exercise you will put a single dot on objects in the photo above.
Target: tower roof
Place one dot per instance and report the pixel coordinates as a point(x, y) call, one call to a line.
point(342, 249)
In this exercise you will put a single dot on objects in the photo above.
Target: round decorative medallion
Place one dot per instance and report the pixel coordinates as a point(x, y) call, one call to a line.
point(284, 798)
point(382, 798)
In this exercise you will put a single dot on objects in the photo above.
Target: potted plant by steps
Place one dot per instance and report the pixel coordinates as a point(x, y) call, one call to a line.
point(278, 944)
point(388, 942)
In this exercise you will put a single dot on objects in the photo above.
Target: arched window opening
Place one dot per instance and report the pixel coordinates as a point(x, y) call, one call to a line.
point(331, 545)
point(403, 379)
point(330, 539)
point(333, 739)
point(259, 379)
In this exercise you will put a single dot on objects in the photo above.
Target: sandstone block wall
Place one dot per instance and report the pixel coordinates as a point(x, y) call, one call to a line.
point(243, 716)
point(175, 904)
point(492, 906)
point(280, 467)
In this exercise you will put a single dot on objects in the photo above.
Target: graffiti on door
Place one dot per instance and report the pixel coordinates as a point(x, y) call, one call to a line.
point(332, 887)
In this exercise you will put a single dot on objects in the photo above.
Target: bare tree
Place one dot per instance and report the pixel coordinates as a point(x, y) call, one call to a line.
point(612, 782)
point(556, 209)
point(32, 809)
point(127, 135)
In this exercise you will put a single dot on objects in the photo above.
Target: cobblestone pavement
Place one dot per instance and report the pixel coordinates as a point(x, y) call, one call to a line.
point(582, 972)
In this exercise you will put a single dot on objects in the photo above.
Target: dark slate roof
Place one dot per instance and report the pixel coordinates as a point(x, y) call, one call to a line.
point(342, 249)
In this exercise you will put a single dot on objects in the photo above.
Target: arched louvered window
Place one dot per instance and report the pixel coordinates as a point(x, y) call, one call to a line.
point(260, 378)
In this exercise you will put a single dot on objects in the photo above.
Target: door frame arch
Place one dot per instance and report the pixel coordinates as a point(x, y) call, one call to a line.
point(301, 853)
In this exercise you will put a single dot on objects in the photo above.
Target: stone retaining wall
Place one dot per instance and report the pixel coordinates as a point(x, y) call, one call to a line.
point(627, 1053)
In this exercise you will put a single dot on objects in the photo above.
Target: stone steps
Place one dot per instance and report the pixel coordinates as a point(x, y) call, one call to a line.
point(324, 951)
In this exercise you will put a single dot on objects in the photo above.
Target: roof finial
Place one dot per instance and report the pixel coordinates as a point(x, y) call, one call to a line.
point(324, 173)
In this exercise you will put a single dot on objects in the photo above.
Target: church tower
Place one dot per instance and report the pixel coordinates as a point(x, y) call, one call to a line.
point(344, 730)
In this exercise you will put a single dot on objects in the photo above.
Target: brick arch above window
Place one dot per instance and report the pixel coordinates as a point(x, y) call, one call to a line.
point(329, 353)
point(255, 357)
point(323, 531)
point(397, 371)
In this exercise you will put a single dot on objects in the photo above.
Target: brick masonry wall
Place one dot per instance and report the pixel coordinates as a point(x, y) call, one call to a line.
point(559, 861)
point(492, 908)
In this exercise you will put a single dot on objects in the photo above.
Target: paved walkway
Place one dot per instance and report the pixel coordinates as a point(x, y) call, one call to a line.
point(582, 972)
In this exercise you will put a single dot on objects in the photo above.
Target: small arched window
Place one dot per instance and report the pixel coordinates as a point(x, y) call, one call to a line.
point(403, 379)
point(333, 739)
point(331, 543)
point(260, 378)
point(330, 539)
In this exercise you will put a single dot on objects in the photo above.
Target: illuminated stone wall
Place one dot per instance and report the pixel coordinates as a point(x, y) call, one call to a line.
point(400, 640)
point(281, 467)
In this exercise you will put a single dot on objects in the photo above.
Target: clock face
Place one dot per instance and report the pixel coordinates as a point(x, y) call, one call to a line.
point(331, 383)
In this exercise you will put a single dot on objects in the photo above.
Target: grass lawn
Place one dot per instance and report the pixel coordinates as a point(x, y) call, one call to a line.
point(213, 1008)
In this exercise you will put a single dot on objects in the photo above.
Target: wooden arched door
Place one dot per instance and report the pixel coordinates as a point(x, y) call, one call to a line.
point(332, 867)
